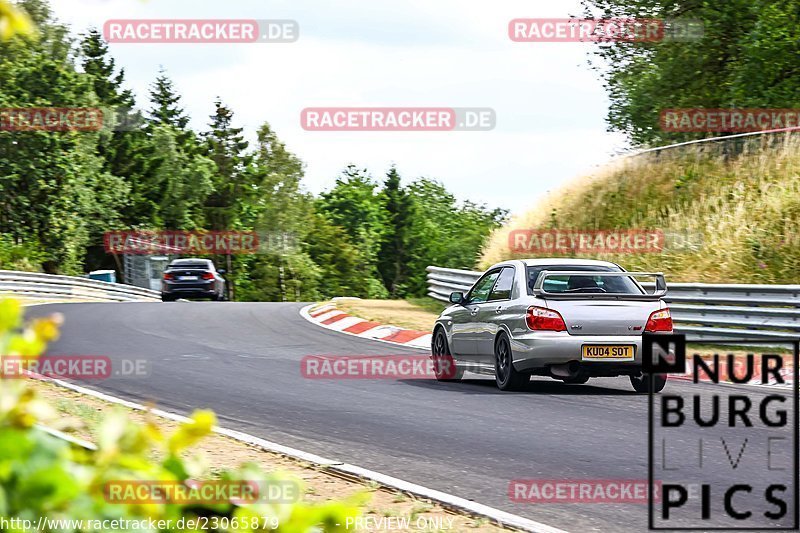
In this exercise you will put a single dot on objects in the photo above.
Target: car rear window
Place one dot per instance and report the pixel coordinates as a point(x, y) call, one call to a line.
point(189, 265)
point(582, 283)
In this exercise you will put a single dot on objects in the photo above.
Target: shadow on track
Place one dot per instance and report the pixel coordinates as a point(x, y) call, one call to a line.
point(487, 386)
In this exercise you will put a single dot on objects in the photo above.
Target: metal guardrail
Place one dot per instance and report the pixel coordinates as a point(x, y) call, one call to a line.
point(700, 310)
point(52, 287)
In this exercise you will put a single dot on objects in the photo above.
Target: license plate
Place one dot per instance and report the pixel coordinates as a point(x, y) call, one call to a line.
point(608, 352)
point(187, 278)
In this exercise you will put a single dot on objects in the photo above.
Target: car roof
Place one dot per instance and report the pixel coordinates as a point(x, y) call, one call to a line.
point(546, 261)
point(189, 260)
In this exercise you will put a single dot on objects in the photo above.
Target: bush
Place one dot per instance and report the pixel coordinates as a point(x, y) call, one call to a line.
point(25, 257)
point(44, 476)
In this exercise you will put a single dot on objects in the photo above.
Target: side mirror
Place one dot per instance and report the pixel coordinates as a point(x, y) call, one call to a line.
point(221, 271)
point(457, 297)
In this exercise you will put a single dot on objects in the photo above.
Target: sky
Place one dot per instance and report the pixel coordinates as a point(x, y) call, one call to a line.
point(550, 105)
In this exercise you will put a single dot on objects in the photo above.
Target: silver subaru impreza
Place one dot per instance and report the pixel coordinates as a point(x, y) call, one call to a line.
point(570, 319)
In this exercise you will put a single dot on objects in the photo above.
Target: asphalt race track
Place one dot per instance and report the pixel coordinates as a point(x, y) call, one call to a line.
point(469, 439)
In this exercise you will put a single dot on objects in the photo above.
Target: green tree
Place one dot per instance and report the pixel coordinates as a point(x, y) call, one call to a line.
point(444, 233)
point(54, 190)
point(124, 146)
point(224, 144)
point(185, 181)
point(107, 82)
point(748, 57)
point(275, 205)
point(340, 261)
point(166, 103)
point(274, 200)
point(226, 147)
point(393, 255)
point(355, 205)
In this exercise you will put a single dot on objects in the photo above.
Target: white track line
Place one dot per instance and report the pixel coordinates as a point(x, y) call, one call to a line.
point(447, 500)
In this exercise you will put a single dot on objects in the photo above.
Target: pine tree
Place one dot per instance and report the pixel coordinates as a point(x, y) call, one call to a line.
point(226, 147)
point(392, 258)
point(98, 64)
point(166, 108)
point(126, 151)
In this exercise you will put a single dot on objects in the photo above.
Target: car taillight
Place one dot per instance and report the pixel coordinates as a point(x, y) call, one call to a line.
point(167, 275)
point(541, 319)
point(208, 275)
point(659, 321)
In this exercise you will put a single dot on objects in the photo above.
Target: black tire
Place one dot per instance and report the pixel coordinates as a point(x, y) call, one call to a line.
point(444, 366)
point(505, 375)
point(580, 379)
point(641, 384)
point(167, 298)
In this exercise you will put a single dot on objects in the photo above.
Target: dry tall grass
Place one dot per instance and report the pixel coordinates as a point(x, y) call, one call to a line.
point(743, 199)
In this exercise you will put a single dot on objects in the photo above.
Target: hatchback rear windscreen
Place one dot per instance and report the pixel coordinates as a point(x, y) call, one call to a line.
point(582, 283)
point(192, 266)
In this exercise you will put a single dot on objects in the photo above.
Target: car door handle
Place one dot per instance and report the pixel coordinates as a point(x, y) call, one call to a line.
point(499, 309)
point(473, 311)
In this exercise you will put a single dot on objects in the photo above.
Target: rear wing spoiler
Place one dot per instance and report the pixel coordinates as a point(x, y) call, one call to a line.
point(660, 289)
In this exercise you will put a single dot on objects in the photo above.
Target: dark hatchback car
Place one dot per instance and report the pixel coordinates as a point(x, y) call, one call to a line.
point(192, 278)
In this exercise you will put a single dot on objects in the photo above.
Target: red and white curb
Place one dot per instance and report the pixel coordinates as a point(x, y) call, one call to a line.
point(330, 317)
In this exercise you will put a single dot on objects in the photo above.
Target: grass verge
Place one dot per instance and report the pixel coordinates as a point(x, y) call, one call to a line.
point(739, 205)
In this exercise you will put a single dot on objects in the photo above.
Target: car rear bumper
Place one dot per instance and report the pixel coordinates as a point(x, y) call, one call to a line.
point(542, 349)
point(195, 289)
point(190, 294)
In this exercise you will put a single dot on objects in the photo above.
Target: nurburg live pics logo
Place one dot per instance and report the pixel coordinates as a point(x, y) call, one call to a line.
point(723, 447)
